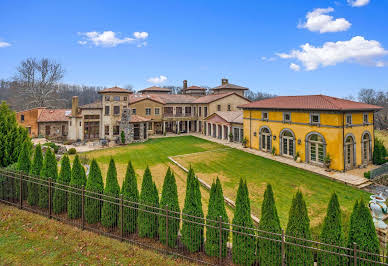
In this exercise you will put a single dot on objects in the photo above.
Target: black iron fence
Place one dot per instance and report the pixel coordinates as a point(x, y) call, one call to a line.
point(162, 229)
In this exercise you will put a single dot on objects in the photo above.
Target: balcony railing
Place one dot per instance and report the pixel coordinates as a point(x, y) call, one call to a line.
point(179, 115)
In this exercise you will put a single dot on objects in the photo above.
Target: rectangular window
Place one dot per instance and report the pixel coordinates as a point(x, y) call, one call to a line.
point(107, 110)
point(29, 130)
point(134, 111)
point(80, 123)
point(205, 111)
point(107, 98)
point(366, 119)
point(148, 111)
point(219, 107)
point(125, 99)
point(157, 111)
point(116, 110)
point(265, 115)
point(149, 126)
point(106, 130)
point(348, 119)
point(22, 118)
point(287, 117)
point(187, 110)
point(199, 111)
point(315, 119)
point(116, 98)
point(116, 130)
point(229, 107)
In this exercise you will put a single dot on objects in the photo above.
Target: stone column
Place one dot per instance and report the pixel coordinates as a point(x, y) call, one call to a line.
point(188, 126)
point(222, 132)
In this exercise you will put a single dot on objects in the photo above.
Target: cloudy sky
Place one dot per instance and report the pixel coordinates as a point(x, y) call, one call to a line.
point(284, 47)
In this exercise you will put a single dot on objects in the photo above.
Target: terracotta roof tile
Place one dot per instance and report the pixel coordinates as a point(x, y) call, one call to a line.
point(138, 119)
point(134, 98)
point(230, 116)
point(95, 105)
point(310, 102)
point(194, 88)
point(155, 88)
point(54, 115)
point(230, 86)
point(214, 97)
point(115, 89)
point(176, 98)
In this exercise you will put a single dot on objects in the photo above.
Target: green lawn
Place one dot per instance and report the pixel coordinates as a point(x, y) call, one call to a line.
point(231, 165)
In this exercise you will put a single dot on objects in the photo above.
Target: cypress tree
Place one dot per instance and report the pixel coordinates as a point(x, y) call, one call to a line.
point(24, 165)
point(94, 188)
point(110, 208)
point(169, 201)
point(33, 187)
point(60, 194)
point(332, 234)
point(146, 220)
point(353, 225)
point(74, 197)
point(49, 170)
point(216, 213)
point(192, 233)
point(269, 251)
point(155, 197)
point(243, 249)
point(130, 193)
point(298, 226)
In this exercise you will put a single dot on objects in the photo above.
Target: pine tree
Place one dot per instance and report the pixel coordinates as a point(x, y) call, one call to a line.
point(130, 193)
point(332, 234)
point(353, 225)
point(36, 167)
point(49, 171)
point(74, 197)
point(192, 230)
point(24, 165)
point(169, 201)
point(155, 200)
point(110, 208)
point(216, 214)
point(298, 226)
point(269, 251)
point(94, 189)
point(146, 220)
point(60, 193)
point(243, 249)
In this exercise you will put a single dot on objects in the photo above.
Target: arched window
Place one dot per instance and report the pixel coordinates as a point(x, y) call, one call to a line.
point(350, 152)
point(265, 139)
point(366, 148)
point(287, 143)
point(315, 148)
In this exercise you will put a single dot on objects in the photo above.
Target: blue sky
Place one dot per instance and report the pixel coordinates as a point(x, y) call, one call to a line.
point(256, 44)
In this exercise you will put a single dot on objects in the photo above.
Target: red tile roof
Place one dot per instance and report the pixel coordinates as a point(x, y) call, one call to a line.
point(115, 89)
point(230, 86)
point(154, 88)
point(214, 97)
point(95, 105)
point(54, 115)
point(310, 102)
point(176, 98)
point(134, 98)
point(228, 116)
point(194, 88)
point(138, 119)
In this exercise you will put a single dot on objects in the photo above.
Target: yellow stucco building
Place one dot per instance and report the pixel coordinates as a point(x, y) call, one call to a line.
point(312, 127)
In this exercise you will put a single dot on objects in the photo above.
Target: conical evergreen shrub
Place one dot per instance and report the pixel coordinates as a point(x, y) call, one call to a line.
point(130, 193)
point(155, 196)
point(94, 190)
point(110, 207)
point(60, 193)
point(298, 226)
point(269, 251)
point(216, 214)
point(353, 225)
point(24, 165)
point(33, 186)
point(192, 230)
point(49, 170)
point(77, 181)
point(169, 201)
point(243, 249)
point(147, 214)
point(332, 234)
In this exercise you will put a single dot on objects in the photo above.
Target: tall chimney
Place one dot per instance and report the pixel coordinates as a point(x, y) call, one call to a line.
point(74, 106)
point(185, 84)
point(224, 81)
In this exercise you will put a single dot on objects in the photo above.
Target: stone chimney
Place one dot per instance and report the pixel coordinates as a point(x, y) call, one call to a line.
point(185, 84)
point(224, 81)
point(74, 106)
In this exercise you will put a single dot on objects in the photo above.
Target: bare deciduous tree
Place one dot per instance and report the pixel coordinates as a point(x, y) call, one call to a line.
point(37, 82)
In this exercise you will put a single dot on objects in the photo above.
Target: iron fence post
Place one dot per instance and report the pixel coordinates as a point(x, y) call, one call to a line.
point(166, 224)
point(354, 253)
point(21, 190)
point(121, 217)
point(220, 240)
point(283, 249)
point(50, 197)
point(83, 208)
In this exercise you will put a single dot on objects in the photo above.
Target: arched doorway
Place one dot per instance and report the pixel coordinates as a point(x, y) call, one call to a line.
point(366, 148)
point(350, 152)
point(265, 139)
point(287, 143)
point(315, 148)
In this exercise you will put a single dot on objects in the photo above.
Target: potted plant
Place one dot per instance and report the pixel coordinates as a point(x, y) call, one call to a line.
point(244, 142)
point(273, 151)
point(230, 137)
point(297, 157)
point(327, 162)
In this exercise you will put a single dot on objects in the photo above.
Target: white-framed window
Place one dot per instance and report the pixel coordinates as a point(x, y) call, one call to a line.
point(134, 111)
point(264, 115)
point(148, 111)
point(366, 118)
point(315, 118)
point(348, 119)
point(287, 117)
point(157, 111)
point(149, 126)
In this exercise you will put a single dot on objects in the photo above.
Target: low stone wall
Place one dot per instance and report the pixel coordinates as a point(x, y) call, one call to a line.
point(383, 169)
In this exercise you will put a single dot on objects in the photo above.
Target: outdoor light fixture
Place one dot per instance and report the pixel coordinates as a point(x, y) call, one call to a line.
point(274, 137)
point(254, 134)
point(299, 141)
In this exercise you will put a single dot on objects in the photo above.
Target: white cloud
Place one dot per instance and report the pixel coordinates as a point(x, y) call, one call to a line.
point(268, 59)
point(380, 64)
point(110, 38)
point(4, 44)
point(317, 20)
point(356, 49)
point(294, 67)
point(157, 80)
point(142, 44)
point(358, 3)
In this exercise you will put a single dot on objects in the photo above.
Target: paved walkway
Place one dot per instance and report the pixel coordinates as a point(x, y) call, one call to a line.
point(353, 180)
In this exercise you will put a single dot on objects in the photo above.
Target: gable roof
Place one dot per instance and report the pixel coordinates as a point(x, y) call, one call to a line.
point(155, 88)
point(115, 89)
point(176, 98)
point(194, 88)
point(138, 118)
point(230, 86)
point(310, 102)
point(229, 116)
point(95, 105)
point(214, 97)
point(54, 115)
point(135, 98)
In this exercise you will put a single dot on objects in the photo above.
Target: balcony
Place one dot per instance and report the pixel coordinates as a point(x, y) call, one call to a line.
point(179, 115)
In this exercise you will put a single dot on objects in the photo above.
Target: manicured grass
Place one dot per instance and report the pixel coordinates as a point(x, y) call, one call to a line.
point(30, 239)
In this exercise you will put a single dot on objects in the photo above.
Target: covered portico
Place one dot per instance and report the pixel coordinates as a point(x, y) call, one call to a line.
point(225, 125)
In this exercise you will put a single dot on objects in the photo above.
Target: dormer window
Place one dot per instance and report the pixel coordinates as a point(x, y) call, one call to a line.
point(349, 119)
point(315, 118)
point(286, 117)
